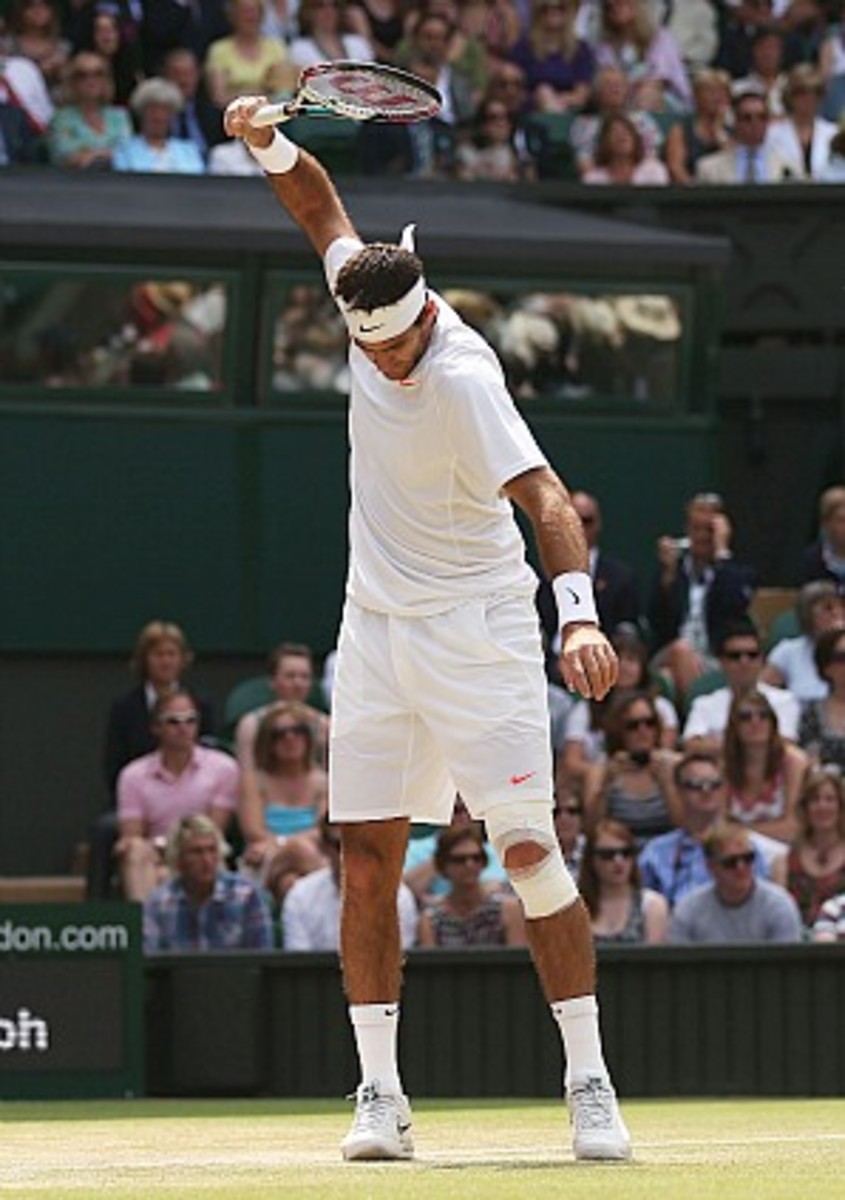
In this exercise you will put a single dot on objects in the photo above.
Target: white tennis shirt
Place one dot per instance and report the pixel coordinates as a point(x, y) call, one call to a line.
point(429, 527)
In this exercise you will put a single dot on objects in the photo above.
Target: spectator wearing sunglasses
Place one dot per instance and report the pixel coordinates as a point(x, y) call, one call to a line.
point(635, 785)
point(822, 730)
point(764, 772)
point(469, 914)
point(179, 779)
point(740, 656)
point(421, 872)
point(283, 800)
point(568, 816)
point(622, 912)
point(674, 863)
point(734, 906)
point(749, 159)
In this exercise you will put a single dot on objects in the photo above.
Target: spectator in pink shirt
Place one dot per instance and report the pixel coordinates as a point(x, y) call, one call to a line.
point(154, 792)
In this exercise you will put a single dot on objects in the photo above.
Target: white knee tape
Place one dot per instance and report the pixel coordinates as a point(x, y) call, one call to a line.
point(545, 887)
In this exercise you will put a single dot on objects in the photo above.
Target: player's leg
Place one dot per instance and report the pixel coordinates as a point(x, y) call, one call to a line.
point(489, 711)
point(379, 762)
point(560, 939)
point(371, 956)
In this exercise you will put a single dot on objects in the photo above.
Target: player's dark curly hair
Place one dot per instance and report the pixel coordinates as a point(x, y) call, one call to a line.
point(377, 275)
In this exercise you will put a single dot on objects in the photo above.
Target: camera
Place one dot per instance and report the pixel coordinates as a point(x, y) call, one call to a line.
point(681, 544)
point(640, 757)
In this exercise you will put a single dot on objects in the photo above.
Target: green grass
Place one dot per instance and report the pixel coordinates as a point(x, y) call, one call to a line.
point(243, 1150)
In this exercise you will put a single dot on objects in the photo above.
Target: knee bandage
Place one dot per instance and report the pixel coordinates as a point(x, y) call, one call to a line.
point(545, 887)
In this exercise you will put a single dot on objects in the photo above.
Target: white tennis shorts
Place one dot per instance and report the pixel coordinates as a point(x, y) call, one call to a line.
point(424, 707)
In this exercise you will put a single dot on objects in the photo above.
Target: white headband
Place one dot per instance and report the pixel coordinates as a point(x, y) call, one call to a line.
point(388, 321)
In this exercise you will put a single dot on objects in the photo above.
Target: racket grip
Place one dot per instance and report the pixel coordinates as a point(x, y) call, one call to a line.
point(272, 114)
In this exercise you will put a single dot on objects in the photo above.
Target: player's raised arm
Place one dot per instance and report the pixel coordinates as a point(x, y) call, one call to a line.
point(588, 662)
point(299, 181)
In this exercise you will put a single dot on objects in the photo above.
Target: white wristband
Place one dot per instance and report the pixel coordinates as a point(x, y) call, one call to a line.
point(574, 596)
point(278, 158)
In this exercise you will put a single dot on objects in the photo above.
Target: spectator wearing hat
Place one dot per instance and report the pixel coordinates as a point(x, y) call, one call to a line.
point(803, 136)
point(155, 102)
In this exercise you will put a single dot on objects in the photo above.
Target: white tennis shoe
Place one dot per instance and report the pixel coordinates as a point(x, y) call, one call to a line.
point(599, 1132)
point(381, 1128)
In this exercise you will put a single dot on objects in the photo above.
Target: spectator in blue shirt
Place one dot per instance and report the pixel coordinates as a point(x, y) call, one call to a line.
point(674, 863)
point(204, 907)
point(155, 102)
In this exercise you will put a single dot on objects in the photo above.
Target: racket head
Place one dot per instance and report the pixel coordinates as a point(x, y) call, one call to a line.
point(368, 92)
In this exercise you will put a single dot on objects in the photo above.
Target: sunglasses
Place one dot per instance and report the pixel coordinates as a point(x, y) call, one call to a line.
point(732, 861)
point(640, 723)
point(283, 731)
point(574, 810)
point(187, 718)
point(702, 785)
point(609, 853)
point(753, 116)
point(738, 655)
point(754, 714)
point(838, 656)
point(475, 857)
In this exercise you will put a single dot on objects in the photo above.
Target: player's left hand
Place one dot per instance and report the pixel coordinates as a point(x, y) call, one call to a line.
point(588, 662)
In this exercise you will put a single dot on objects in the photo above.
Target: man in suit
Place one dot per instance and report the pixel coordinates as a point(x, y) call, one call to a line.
point(699, 586)
point(748, 159)
point(199, 121)
point(614, 582)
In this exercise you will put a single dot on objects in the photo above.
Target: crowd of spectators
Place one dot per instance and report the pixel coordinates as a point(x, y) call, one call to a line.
point(605, 91)
point(702, 800)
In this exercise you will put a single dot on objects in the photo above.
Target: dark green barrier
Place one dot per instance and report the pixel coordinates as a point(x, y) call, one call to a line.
point(743, 1020)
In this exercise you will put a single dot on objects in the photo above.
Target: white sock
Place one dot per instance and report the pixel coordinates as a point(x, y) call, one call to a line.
point(578, 1021)
point(375, 1027)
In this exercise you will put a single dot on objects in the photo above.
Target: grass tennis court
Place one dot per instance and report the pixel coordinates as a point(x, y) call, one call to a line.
point(240, 1150)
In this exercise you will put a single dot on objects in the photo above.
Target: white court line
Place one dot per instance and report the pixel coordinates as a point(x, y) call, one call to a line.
point(245, 1160)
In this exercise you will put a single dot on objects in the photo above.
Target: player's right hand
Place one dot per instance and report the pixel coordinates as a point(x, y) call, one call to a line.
point(236, 120)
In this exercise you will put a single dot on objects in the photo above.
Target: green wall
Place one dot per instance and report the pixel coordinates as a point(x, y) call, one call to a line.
point(236, 527)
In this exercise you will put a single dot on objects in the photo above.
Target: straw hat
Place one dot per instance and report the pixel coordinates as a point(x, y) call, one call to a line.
point(650, 316)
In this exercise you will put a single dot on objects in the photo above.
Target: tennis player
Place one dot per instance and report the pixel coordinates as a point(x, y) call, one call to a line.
point(440, 684)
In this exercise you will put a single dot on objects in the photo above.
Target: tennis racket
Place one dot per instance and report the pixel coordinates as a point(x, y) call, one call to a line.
point(356, 90)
